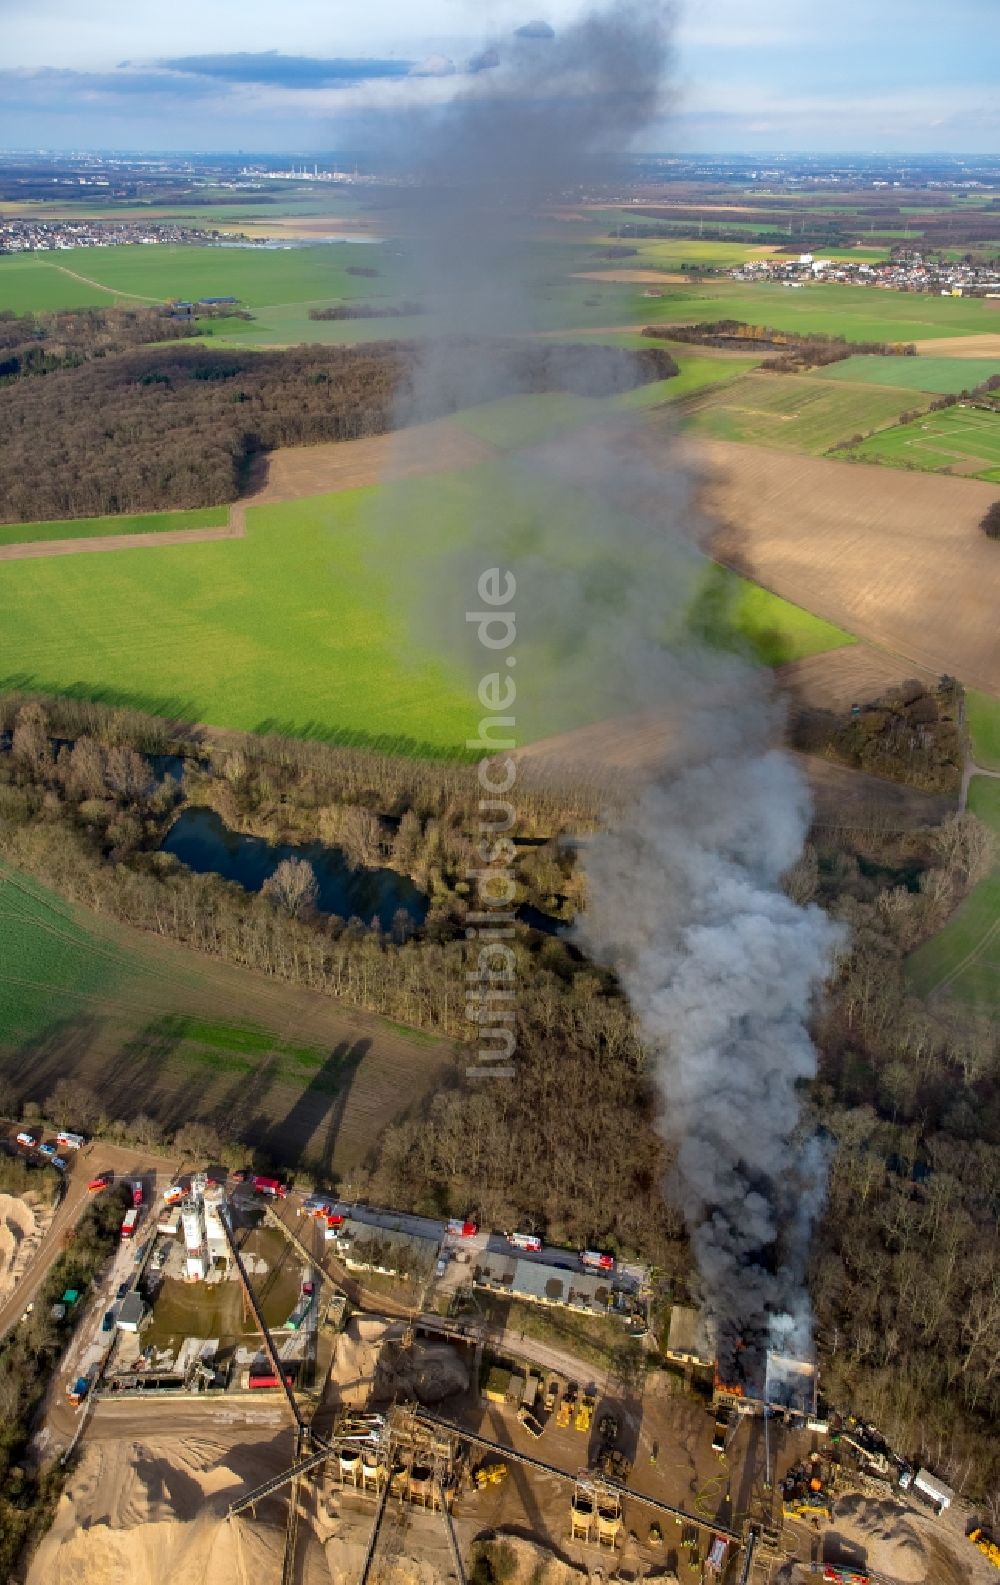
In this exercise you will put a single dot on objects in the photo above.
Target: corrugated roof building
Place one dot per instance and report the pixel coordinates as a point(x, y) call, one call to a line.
point(539, 1283)
point(390, 1251)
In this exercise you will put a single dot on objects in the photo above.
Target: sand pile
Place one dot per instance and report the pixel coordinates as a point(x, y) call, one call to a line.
point(138, 1513)
point(881, 1533)
point(20, 1232)
point(356, 1358)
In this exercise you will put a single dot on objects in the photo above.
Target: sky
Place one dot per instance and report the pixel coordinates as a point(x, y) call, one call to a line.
point(314, 75)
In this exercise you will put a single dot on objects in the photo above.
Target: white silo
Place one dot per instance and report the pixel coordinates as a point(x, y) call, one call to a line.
point(193, 1223)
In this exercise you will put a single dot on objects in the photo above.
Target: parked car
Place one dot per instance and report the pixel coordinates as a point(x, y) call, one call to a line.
point(108, 1324)
point(60, 1162)
point(122, 1290)
point(47, 1149)
point(441, 1267)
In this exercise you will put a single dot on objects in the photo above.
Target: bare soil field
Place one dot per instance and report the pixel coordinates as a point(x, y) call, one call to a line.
point(305, 226)
point(894, 557)
point(838, 678)
point(294, 471)
point(636, 277)
point(843, 798)
point(986, 344)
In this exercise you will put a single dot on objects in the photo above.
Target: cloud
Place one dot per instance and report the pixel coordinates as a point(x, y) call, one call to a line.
point(433, 66)
point(484, 61)
point(535, 30)
point(287, 71)
point(52, 86)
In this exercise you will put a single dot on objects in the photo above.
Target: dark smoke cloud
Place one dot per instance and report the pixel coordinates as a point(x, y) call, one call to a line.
point(684, 884)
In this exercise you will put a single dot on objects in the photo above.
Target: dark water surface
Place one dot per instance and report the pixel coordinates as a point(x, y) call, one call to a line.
point(202, 841)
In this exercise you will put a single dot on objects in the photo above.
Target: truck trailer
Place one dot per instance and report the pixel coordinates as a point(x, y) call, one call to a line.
point(129, 1224)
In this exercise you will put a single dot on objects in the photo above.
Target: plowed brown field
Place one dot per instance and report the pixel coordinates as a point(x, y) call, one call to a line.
point(897, 558)
point(842, 798)
point(838, 678)
point(293, 471)
point(984, 345)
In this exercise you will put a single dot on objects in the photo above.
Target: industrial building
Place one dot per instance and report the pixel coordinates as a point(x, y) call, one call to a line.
point(131, 1314)
point(539, 1283)
point(391, 1251)
point(686, 1341)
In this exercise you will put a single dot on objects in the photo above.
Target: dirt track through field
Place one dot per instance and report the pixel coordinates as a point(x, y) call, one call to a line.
point(40, 548)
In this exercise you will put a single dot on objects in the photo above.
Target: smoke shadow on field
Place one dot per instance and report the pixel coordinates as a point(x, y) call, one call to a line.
point(62, 1050)
point(315, 1119)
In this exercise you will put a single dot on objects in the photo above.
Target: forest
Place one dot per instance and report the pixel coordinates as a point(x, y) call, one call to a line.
point(40, 343)
point(905, 1274)
point(169, 427)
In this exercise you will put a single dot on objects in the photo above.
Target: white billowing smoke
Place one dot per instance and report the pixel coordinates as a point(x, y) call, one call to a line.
point(721, 967)
point(684, 895)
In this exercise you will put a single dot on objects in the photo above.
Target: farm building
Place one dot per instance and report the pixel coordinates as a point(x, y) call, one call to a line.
point(539, 1283)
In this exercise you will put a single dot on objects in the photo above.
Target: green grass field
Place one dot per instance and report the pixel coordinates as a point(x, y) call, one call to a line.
point(151, 1027)
point(935, 375)
point(858, 313)
point(983, 716)
point(258, 277)
point(279, 285)
point(295, 628)
point(963, 959)
point(963, 440)
point(792, 412)
point(513, 422)
point(96, 527)
point(52, 966)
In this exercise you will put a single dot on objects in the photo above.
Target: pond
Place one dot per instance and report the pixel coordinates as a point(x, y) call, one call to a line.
point(202, 841)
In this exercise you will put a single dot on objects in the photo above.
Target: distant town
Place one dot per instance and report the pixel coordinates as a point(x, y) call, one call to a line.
point(46, 236)
point(906, 270)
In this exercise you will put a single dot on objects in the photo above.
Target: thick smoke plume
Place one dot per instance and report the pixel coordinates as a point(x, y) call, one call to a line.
point(684, 884)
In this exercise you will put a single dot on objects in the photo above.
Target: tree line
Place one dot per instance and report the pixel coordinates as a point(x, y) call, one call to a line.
point(799, 351)
point(368, 311)
point(176, 427)
point(40, 343)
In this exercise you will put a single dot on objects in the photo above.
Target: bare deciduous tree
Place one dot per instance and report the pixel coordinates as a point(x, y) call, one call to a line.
point(293, 887)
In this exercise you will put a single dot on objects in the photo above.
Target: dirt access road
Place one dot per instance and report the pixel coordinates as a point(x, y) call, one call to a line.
point(84, 1165)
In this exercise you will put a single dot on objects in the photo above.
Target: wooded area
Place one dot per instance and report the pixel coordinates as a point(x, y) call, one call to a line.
point(170, 427)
